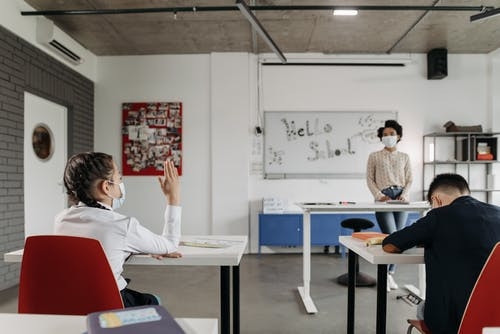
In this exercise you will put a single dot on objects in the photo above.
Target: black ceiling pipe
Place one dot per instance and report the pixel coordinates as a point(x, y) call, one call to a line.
point(255, 8)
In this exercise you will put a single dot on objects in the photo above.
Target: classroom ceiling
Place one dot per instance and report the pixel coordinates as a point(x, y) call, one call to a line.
point(293, 31)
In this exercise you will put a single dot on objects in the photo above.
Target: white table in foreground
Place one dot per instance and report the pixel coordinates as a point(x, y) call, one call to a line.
point(69, 324)
point(225, 258)
point(377, 256)
point(309, 208)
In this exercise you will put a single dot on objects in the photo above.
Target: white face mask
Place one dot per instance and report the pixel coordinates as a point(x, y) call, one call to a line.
point(390, 141)
point(118, 202)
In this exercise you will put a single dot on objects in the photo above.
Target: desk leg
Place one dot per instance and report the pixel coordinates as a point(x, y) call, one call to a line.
point(381, 298)
point(351, 287)
point(236, 300)
point(304, 291)
point(225, 312)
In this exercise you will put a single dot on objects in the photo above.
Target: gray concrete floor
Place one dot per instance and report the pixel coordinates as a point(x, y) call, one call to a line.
point(269, 300)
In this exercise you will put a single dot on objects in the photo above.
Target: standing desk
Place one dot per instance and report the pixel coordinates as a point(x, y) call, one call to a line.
point(77, 324)
point(307, 209)
point(375, 255)
point(225, 258)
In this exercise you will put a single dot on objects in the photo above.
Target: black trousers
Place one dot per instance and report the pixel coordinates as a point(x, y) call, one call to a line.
point(133, 298)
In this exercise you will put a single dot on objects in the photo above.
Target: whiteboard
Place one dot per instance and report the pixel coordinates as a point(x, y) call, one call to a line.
point(321, 144)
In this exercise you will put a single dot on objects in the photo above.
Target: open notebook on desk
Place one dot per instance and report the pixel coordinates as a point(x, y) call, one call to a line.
point(209, 243)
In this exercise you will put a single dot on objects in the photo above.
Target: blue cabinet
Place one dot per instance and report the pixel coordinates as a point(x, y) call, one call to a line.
point(325, 229)
point(280, 230)
point(286, 229)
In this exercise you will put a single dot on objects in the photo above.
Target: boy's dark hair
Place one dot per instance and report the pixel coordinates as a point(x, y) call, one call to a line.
point(82, 173)
point(448, 181)
point(391, 124)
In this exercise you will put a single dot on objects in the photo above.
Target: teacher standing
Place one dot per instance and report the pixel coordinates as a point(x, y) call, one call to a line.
point(389, 177)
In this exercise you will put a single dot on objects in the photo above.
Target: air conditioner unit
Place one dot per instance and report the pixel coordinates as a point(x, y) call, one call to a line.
point(45, 36)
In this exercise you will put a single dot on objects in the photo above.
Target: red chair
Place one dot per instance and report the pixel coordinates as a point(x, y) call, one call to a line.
point(66, 275)
point(483, 309)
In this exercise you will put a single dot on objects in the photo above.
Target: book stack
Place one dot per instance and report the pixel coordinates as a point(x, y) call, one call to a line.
point(484, 152)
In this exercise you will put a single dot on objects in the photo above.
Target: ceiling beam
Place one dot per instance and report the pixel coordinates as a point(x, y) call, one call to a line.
point(487, 13)
point(411, 28)
point(247, 13)
point(253, 8)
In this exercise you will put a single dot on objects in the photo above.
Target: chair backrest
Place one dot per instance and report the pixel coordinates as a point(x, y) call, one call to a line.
point(483, 308)
point(66, 275)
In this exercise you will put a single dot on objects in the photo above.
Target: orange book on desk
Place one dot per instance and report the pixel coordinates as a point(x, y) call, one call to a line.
point(371, 238)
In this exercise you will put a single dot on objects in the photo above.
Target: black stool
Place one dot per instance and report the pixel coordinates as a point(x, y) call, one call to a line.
point(362, 279)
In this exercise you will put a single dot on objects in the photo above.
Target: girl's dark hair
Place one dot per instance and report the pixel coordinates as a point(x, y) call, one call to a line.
point(391, 124)
point(81, 174)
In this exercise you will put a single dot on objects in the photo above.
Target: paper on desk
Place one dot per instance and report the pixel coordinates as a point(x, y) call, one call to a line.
point(209, 243)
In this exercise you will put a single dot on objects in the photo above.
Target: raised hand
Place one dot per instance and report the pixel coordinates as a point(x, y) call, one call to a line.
point(170, 184)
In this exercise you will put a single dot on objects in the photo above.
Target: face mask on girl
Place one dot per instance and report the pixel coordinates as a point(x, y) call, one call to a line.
point(118, 202)
point(390, 141)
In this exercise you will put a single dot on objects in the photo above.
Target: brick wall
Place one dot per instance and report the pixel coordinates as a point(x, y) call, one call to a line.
point(23, 67)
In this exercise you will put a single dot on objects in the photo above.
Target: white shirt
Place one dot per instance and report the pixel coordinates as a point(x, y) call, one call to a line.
point(120, 235)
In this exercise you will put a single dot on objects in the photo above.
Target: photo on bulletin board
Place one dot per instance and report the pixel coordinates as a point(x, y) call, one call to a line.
point(151, 134)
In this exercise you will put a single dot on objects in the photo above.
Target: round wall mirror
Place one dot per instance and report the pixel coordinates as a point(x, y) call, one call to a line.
point(42, 142)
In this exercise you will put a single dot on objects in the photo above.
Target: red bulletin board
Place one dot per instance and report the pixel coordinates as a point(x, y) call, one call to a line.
point(151, 134)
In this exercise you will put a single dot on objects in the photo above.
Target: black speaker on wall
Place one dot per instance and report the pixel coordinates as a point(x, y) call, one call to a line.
point(437, 64)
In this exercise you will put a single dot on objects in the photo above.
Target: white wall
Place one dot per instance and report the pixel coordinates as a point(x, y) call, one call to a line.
point(229, 87)
point(494, 90)
point(214, 92)
point(25, 27)
point(184, 78)
point(219, 92)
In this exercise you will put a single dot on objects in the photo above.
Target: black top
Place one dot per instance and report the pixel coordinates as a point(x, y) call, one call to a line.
point(458, 239)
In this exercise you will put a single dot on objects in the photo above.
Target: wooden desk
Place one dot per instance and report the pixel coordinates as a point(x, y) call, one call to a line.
point(374, 255)
point(225, 258)
point(69, 324)
point(307, 209)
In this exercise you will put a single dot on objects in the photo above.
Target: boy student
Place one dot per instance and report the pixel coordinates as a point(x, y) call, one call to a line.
point(94, 184)
point(458, 235)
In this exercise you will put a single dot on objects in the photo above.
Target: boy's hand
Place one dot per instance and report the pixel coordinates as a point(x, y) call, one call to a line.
point(170, 184)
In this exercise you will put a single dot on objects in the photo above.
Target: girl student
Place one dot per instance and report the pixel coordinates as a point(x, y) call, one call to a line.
point(95, 186)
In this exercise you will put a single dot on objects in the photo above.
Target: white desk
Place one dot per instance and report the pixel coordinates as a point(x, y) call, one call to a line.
point(69, 324)
point(307, 209)
point(374, 255)
point(196, 256)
